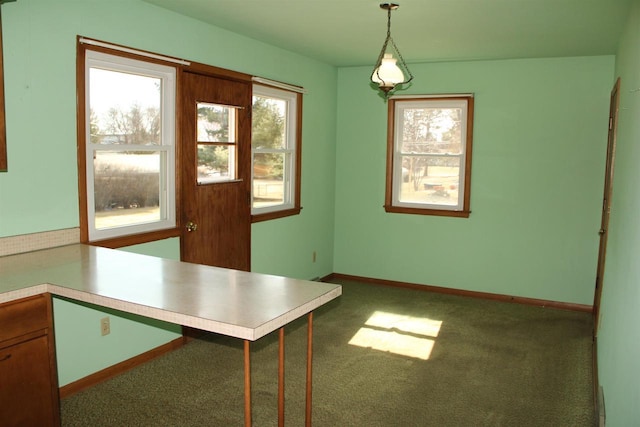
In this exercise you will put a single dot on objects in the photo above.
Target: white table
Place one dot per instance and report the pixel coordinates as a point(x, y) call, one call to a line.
point(239, 304)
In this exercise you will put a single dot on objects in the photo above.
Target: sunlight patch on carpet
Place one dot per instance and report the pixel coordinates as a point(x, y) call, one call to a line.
point(399, 334)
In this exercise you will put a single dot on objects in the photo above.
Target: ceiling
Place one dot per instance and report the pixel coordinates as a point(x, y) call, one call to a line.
point(351, 32)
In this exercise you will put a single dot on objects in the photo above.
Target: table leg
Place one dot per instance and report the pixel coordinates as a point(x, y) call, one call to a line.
point(281, 378)
point(309, 371)
point(247, 377)
point(247, 384)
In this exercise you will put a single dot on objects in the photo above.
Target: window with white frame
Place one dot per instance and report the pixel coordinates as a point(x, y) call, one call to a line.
point(217, 143)
point(429, 155)
point(129, 145)
point(275, 152)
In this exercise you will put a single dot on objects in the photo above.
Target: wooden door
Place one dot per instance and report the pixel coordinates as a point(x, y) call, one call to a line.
point(215, 152)
point(606, 202)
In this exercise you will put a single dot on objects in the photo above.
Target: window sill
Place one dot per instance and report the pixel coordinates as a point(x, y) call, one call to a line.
point(434, 212)
point(136, 239)
point(275, 215)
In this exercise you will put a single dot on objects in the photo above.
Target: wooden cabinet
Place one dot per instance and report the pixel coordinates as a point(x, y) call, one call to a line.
point(28, 376)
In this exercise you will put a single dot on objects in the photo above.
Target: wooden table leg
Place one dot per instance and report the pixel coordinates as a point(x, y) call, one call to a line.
point(309, 370)
point(247, 384)
point(281, 378)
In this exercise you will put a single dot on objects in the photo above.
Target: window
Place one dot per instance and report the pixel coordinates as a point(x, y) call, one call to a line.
point(275, 152)
point(216, 134)
point(128, 141)
point(429, 155)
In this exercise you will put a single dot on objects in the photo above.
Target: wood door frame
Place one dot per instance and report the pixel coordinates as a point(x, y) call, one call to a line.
point(606, 201)
point(3, 128)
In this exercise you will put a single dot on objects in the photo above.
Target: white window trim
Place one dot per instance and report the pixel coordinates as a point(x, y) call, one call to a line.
point(289, 151)
point(232, 145)
point(398, 154)
point(95, 59)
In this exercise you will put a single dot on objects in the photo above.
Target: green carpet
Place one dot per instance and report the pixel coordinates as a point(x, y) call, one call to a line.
point(490, 364)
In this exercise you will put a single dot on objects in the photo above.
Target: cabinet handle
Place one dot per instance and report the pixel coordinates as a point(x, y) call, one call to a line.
point(7, 357)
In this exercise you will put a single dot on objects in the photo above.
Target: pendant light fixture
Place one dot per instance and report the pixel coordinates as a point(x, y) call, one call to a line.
point(387, 73)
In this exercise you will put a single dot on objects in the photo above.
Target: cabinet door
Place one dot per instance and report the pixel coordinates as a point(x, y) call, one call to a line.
point(25, 385)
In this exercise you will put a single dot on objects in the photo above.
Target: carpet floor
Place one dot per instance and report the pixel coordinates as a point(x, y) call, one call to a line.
point(383, 356)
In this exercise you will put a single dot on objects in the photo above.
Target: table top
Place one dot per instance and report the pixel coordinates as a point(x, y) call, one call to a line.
point(230, 302)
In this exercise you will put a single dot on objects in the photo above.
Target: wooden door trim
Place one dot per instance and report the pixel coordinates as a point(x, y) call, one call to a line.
point(606, 202)
point(211, 71)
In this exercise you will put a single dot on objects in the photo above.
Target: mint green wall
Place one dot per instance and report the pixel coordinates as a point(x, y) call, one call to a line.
point(39, 193)
point(538, 164)
point(40, 47)
point(312, 230)
point(618, 343)
point(167, 248)
point(80, 348)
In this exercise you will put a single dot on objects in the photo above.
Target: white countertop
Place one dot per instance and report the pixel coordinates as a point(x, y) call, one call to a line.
point(230, 302)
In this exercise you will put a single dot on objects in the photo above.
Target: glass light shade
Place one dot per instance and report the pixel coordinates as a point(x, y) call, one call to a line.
point(388, 73)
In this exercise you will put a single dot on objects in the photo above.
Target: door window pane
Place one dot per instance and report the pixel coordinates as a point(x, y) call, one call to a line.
point(215, 163)
point(216, 147)
point(215, 123)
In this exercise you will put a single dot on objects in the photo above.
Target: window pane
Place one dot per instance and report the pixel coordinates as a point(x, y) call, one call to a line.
point(128, 146)
point(215, 123)
point(275, 145)
point(124, 108)
point(127, 188)
point(432, 130)
point(429, 155)
point(268, 123)
point(430, 179)
point(268, 179)
point(215, 163)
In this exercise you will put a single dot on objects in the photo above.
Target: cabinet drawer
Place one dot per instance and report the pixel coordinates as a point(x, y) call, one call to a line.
point(23, 316)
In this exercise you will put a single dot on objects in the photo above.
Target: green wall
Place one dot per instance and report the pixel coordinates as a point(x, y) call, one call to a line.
point(39, 193)
point(618, 343)
point(312, 230)
point(80, 348)
point(539, 145)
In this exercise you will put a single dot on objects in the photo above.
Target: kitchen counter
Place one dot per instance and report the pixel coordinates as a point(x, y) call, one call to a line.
point(235, 303)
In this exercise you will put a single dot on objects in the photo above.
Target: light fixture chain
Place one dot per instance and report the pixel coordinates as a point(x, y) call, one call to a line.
point(386, 42)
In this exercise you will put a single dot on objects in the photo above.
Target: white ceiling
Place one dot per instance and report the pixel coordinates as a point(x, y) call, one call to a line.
point(351, 32)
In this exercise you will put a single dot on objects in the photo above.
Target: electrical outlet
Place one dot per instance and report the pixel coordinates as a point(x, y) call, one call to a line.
point(314, 256)
point(105, 326)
